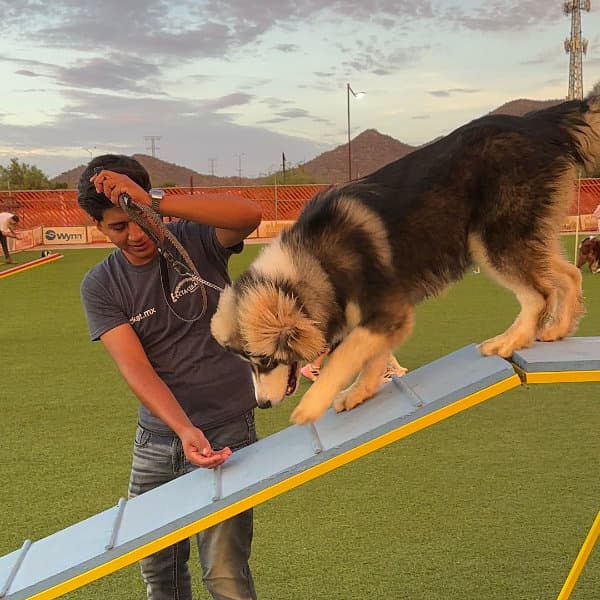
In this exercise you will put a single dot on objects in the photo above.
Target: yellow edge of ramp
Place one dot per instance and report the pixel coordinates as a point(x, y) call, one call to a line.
point(280, 488)
point(33, 265)
point(559, 376)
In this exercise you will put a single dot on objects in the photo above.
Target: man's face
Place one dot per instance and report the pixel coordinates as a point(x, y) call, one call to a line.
point(127, 235)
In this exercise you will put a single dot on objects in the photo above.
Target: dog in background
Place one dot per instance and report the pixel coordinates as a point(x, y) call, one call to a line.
point(589, 253)
point(361, 255)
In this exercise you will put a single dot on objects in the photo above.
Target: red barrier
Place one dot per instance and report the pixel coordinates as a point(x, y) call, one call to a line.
point(59, 208)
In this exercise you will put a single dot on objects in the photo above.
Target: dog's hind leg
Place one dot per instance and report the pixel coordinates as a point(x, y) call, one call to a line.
point(568, 308)
point(527, 273)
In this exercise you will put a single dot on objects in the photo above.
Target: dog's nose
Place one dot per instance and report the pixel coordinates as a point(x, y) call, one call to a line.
point(265, 404)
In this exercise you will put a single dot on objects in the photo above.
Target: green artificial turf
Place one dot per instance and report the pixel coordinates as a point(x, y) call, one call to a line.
point(493, 503)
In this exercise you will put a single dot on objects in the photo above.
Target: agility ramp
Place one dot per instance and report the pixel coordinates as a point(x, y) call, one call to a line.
point(121, 535)
point(31, 264)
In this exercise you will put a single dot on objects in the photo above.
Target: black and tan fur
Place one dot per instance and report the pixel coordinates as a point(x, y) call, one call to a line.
point(359, 258)
point(589, 253)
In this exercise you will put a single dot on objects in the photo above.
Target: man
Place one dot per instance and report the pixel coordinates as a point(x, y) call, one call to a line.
point(196, 400)
point(596, 214)
point(8, 222)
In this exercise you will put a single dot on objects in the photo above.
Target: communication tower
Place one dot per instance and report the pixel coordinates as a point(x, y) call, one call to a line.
point(576, 47)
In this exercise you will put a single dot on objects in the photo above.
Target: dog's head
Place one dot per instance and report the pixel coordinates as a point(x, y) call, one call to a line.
point(268, 326)
point(589, 251)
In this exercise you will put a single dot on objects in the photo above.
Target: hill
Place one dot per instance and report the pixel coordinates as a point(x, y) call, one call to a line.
point(370, 151)
point(162, 174)
point(522, 106)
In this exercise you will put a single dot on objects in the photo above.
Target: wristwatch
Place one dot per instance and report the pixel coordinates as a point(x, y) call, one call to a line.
point(156, 195)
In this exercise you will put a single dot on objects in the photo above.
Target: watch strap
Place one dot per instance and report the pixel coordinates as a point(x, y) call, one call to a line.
point(156, 195)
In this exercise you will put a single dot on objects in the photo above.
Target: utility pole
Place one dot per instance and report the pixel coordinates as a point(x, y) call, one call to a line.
point(153, 147)
point(576, 47)
point(211, 165)
point(239, 157)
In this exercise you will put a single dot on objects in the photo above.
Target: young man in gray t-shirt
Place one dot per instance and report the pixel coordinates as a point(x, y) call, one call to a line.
point(196, 399)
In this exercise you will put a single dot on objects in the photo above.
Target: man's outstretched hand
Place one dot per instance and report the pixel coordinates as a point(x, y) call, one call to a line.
point(198, 450)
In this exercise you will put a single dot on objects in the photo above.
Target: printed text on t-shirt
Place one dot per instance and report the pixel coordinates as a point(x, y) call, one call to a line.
point(142, 315)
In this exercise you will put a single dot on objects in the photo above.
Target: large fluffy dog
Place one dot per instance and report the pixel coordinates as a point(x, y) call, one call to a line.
point(359, 258)
point(589, 253)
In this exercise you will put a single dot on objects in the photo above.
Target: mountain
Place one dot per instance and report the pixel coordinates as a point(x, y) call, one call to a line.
point(162, 174)
point(370, 151)
point(522, 106)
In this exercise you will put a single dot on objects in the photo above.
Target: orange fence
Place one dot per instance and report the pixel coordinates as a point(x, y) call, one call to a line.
point(58, 208)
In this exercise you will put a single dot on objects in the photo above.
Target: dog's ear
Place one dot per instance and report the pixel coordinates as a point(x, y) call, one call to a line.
point(272, 323)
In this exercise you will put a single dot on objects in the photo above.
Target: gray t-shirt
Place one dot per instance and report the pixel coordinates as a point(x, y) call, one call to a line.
point(211, 384)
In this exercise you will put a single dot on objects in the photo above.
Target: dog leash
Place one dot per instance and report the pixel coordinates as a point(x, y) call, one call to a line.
point(152, 224)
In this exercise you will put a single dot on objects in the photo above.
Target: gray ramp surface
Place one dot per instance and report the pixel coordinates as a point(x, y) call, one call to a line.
point(77, 555)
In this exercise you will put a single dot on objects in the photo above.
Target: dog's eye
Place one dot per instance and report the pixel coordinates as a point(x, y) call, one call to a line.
point(237, 353)
point(265, 362)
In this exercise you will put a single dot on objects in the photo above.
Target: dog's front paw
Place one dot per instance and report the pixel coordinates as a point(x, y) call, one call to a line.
point(352, 397)
point(496, 346)
point(503, 345)
point(312, 406)
point(339, 403)
point(307, 412)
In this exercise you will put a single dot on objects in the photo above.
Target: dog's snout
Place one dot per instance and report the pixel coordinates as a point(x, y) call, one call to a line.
point(266, 404)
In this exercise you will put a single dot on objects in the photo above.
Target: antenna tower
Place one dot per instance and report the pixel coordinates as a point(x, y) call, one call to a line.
point(576, 46)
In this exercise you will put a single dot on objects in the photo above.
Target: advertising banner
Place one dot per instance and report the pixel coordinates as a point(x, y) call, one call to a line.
point(94, 236)
point(25, 242)
point(64, 235)
point(269, 229)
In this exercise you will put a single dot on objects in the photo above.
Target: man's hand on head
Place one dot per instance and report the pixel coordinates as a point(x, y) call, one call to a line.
point(112, 185)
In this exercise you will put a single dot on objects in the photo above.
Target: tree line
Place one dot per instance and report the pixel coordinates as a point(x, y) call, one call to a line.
point(22, 176)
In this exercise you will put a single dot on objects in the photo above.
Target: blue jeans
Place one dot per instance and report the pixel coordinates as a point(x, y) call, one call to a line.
point(224, 549)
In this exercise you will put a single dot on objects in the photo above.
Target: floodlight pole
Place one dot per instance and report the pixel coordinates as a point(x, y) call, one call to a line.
point(349, 91)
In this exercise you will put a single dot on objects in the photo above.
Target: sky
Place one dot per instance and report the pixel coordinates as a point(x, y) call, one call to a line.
point(225, 87)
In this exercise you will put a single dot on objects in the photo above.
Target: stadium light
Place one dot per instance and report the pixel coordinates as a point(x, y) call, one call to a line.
point(349, 91)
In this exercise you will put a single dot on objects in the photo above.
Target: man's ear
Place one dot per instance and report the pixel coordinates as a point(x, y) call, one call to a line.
point(98, 225)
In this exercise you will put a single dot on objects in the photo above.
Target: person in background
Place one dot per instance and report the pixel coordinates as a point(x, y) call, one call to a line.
point(596, 214)
point(196, 399)
point(312, 370)
point(8, 222)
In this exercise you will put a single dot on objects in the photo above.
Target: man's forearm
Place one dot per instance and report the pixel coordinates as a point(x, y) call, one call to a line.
point(225, 211)
point(156, 396)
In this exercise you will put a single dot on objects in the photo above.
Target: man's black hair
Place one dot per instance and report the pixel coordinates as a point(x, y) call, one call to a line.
point(94, 203)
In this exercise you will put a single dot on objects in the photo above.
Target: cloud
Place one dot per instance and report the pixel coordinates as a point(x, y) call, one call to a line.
point(121, 124)
point(219, 77)
point(115, 72)
point(500, 15)
point(236, 99)
point(27, 73)
point(452, 91)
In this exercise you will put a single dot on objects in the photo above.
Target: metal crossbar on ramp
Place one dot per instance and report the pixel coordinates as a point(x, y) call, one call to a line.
point(133, 529)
